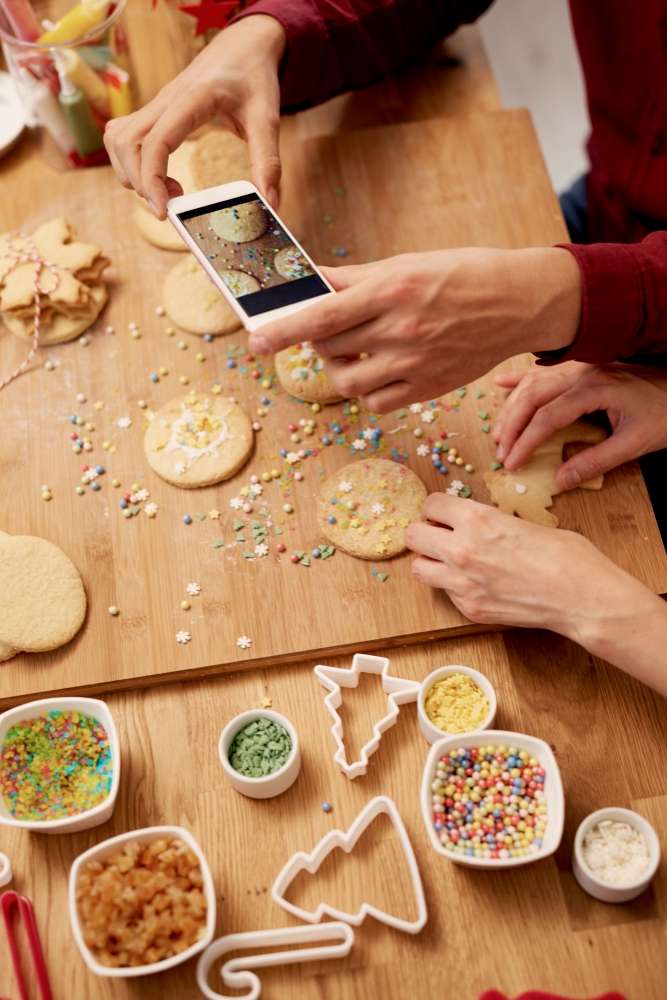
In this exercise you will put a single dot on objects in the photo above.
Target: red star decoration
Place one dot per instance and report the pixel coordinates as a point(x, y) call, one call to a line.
point(210, 14)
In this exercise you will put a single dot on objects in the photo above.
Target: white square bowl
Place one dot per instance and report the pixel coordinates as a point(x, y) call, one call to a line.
point(89, 817)
point(553, 793)
point(103, 850)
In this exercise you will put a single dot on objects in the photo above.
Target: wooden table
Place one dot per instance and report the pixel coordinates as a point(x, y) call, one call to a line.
point(532, 927)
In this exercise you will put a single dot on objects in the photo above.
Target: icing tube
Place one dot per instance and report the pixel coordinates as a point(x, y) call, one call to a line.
point(118, 91)
point(87, 136)
point(86, 79)
point(76, 22)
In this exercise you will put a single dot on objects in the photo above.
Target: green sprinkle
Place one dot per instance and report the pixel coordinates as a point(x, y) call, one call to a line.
point(200, 517)
point(240, 538)
point(486, 428)
point(339, 192)
point(479, 394)
point(496, 465)
point(461, 392)
point(218, 543)
point(237, 525)
point(483, 415)
point(260, 748)
point(382, 577)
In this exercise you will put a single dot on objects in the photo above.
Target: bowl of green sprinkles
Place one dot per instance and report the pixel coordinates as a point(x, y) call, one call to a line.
point(59, 765)
point(260, 754)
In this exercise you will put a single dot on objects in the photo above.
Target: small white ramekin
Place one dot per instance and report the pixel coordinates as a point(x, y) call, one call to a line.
point(103, 850)
point(429, 730)
point(590, 882)
point(272, 784)
point(6, 873)
point(90, 817)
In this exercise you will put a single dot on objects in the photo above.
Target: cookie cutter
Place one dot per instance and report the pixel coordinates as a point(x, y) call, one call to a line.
point(6, 873)
point(237, 972)
point(399, 691)
point(380, 805)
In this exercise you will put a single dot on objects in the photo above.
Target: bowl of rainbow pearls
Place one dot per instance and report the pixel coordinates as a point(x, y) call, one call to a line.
point(59, 765)
point(492, 799)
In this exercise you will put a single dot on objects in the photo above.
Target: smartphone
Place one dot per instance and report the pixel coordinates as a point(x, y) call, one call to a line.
point(248, 252)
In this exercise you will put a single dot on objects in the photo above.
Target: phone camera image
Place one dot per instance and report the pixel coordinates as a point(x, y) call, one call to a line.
point(256, 259)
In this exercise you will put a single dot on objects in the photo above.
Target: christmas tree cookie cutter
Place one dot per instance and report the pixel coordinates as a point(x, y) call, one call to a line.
point(346, 842)
point(399, 691)
point(332, 940)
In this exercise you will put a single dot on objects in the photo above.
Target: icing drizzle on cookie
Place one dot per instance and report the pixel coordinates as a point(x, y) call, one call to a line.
point(197, 432)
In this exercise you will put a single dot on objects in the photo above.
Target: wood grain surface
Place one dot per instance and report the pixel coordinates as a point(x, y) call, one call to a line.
point(531, 927)
point(477, 179)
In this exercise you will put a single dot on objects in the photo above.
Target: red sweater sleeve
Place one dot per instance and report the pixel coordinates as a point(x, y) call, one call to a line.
point(338, 45)
point(624, 303)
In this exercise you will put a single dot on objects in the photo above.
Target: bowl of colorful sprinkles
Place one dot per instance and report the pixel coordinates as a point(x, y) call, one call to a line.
point(493, 799)
point(616, 854)
point(59, 765)
point(141, 902)
point(455, 699)
point(259, 751)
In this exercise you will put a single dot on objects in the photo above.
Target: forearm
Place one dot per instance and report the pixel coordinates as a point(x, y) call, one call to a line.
point(338, 45)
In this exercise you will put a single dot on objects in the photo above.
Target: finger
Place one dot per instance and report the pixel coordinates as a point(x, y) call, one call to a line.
point(595, 461)
point(174, 188)
point(361, 376)
point(436, 574)
point(451, 511)
point(343, 277)
point(173, 126)
point(520, 409)
point(331, 315)
point(353, 342)
point(429, 540)
point(262, 132)
point(110, 138)
point(549, 418)
point(508, 380)
point(391, 397)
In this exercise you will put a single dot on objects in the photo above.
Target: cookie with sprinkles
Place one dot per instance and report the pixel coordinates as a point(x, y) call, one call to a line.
point(301, 372)
point(197, 440)
point(194, 303)
point(240, 223)
point(291, 264)
point(366, 506)
point(240, 283)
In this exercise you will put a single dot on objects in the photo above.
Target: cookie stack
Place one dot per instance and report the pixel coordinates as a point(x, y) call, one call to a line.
point(72, 293)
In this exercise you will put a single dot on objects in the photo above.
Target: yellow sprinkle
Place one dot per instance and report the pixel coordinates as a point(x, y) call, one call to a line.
point(163, 371)
point(106, 445)
point(315, 407)
point(47, 495)
point(115, 482)
point(99, 405)
point(266, 477)
point(354, 408)
point(199, 356)
point(89, 426)
point(266, 383)
point(216, 390)
point(183, 379)
point(185, 605)
point(170, 331)
point(456, 704)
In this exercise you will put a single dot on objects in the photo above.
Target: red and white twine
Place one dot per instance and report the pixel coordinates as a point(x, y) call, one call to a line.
point(28, 254)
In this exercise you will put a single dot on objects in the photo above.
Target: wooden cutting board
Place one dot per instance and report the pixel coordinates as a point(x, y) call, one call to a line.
point(443, 182)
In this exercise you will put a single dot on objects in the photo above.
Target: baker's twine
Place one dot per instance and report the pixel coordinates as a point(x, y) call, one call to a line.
point(28, 255)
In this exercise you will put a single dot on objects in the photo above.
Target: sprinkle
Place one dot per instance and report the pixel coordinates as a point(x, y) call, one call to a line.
point(520, 487)
point(326, 807)
point(113, 610)
point(185, 605)
point(213, 514)
point(344, 486)
point(423, 450)
point(260, 748)
point(183, 637)
point(428, 416)
point(244, 642)
point(187, 519)
point(151, 509)
point(193, 589)
point(486, 428)
point(496, 465)
point(124, 422)
point(288, 508)
point(159, 310)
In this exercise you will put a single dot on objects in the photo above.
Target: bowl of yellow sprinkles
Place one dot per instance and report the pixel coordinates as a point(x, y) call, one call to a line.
point(454, 700)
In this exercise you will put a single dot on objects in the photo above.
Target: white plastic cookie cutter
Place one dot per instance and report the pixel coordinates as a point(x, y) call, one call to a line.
point(6, 874)
point(346, 841)
point(337, 940)
point(399, 691)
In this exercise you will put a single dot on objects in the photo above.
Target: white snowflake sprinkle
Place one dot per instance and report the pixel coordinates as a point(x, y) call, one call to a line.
point(455, 488)
point(244, 642)
point(520, 488)
point(193, 589)
point(124, 422)
point(183, 637)
point(344, 486)
point(292, 457)
point(236, 503)
point(428, 416)
point(359, 444)
point(179, 468)
point(423, 450)
point(141, 495)
point(378, 508)
point(261, 549)
point(368, 433)
point(151, 509)
point(416, 407)
point(256, 489)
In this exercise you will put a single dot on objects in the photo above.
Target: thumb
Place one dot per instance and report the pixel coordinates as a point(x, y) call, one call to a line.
point(595, 461)
point(262, 129)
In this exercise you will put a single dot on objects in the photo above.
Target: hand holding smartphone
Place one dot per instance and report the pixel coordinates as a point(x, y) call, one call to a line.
point(248, 252)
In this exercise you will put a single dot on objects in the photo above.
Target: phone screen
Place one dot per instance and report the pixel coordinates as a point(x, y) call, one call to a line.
point(258, 261)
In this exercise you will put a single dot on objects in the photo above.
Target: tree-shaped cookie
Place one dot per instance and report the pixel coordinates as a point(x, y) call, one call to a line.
point(529, 491)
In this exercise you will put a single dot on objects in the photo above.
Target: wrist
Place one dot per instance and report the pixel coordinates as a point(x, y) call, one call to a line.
point(266, 31)
point(554, 280)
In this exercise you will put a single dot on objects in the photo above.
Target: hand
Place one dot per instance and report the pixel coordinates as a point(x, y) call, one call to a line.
point(547, 399)
point(234, 80)
point(501, 570)
point(413, 327)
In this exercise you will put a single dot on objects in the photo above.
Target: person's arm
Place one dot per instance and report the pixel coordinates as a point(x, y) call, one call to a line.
point(623, 306)
point(501, 570)
point(338, 45)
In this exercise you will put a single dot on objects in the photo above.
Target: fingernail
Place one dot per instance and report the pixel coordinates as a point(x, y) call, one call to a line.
point(259, 345)
point(500, 453)
point(153, 206)
point(568, 479)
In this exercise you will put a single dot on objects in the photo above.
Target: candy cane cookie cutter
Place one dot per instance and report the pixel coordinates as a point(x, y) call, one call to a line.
point(399, 691)
point(380, 805)
point(237, 973)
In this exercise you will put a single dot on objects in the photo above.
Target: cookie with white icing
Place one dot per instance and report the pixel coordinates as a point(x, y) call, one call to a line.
point(198, 440)
point(301, 372)
point(366, 507)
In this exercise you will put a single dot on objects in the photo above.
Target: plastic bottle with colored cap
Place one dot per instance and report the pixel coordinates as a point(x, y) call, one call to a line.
point(87, 136)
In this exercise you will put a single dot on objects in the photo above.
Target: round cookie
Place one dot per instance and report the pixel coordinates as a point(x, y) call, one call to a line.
point(301, 372)
point(198, 440)
point(240, 283)
point(194, 303)
point(63, 328)
point(291, 264)
point(240, 223)
point(42, 600)
point(6, 651)
point(371, 503)
point(160, 232)
point(219, 157)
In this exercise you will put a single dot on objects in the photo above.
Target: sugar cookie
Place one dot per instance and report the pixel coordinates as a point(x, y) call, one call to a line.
point(61, 328)
point(193, 302)
point(198, 440)
point(6, 651)
point(240, 223)
point(530, 490)
point(42, 600)
point(291, 264)
point(160, 232)
point(218, 158)
point(240, 283)
point(301, 372)
point(365, 507)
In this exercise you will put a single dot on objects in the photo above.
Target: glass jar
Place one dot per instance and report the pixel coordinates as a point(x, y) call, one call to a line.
point(70, 63)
